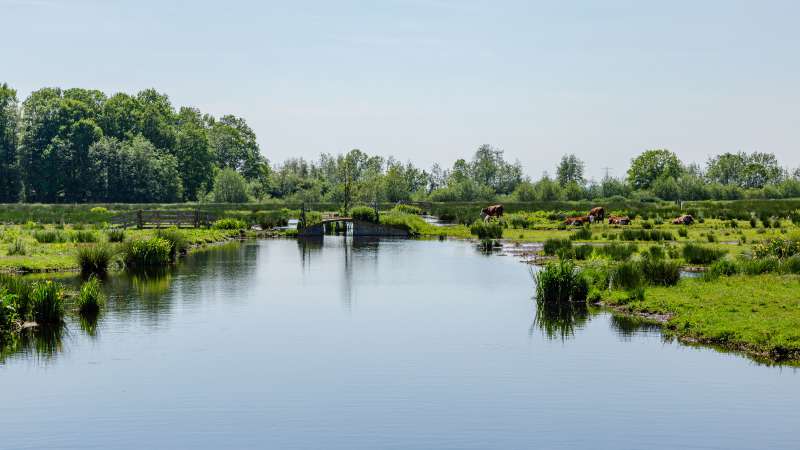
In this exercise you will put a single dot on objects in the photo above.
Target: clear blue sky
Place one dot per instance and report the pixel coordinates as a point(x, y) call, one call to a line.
point(431, 80)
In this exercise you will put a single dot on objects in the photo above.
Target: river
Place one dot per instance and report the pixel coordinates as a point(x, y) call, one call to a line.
point(338, 344)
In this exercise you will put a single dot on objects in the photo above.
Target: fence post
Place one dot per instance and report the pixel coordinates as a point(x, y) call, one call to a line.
point(139, 221)
point(196, 218)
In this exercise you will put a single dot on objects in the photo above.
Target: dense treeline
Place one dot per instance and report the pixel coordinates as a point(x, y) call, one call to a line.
point(78, 145)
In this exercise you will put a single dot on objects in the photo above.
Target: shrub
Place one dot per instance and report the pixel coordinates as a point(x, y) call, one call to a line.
point(90, 298)
point(271, 219)
point(617, 252)
point(660, 271)
point(145, 253)
point(49, 236)
point(99, 210)
point(229, 223)
point(486, 230)
point(116, 235)
point(364, 213)
point(177, 241)
point(84, 236)
point(18, 247)
point(553, 245)
point(408, 209)
point(583, 234)
point(95, 259)
point(47, 302)
point(698, 254)
point(753, 222)
point(560, 282)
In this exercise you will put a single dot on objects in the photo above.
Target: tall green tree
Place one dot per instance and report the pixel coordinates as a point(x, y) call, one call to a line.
point(10, 182)
point(652, 165)
point(193, 153)
point(570, 170)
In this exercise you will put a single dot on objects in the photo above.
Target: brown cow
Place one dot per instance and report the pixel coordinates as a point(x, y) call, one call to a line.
point(685, 219)
point(492, 211)
point(597, 214)
point(577, 220)
point(619, 220)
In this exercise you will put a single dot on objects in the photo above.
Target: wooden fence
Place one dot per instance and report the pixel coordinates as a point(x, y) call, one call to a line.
point(162, 219)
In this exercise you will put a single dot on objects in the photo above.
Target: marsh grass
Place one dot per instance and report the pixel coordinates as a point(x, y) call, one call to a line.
point(629, 234)
point(90, 298)
point(18, 247)
point(116, 235)
point(50, 236)
point(177, 241)
point(95, 258)
point(560, 282)
point(83, 236)
point(229, 224)
point(486, 230)
point(47, 302)
point(699, 254)
point(147, 253)
point(660, 271)
point(554, 245)
point(616, 251)
point(626, 276)
point(583, 234)
point(583, 252)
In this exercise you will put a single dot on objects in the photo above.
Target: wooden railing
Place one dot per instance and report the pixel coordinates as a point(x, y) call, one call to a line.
point(162, 219)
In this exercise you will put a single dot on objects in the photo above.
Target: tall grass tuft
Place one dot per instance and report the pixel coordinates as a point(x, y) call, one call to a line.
point(723, 267)
point(177, 241)
point(90, 298)
point(554, 245)
point(616, 252)
point(583, 252)
point(486, 230)
point(147, 253)
point(47, 301)
point(758, 266)
point(583, 234)
point(95, 258)
point(229, 224)
point(698, 254)
point(18, 248)
point(84, 236)
point(660, 271)
point(560, 282)
point(627, 275)
point(116, 235)
point(49, 236)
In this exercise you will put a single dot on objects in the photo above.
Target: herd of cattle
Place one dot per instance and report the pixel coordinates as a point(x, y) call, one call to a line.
point(597, 214)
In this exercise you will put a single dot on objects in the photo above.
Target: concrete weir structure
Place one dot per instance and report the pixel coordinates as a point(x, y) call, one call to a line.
point(358, 228)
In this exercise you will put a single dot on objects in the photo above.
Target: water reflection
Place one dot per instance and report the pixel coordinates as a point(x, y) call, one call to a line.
point(627, 327)
point(41, 343)
point(560, 320)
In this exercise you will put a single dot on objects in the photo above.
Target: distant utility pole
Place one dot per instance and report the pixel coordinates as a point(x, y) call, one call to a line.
point(607, 170)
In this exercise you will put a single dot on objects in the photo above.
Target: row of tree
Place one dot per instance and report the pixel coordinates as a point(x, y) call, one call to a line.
point(78, 145)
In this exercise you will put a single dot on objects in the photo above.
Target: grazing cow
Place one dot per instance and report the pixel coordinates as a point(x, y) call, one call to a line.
point(619, 220)
point(492, 211)
point(577, 220)
point(597, 214)
point(685, 219)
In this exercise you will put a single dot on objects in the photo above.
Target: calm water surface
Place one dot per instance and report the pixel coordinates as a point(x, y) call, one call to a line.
point(372, 345)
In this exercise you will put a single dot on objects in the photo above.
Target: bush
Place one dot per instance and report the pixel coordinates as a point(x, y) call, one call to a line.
point(364, 213)
point(660, 271)
point(90, 298)
point(698, 254)
point(229, 224)
point(560, 282)
point(583, 234)
point(230, 187)
point(95, 259)
point(486, 230)
point(553, 245)
point(146, 253)
point(616, 252)
point(271, 219)
point(84, 236)
point(49, 236)
point(177, 241)
point(116, 235)
point(47, 302)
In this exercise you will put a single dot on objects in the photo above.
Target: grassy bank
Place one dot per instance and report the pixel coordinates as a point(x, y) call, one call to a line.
point(758, 315)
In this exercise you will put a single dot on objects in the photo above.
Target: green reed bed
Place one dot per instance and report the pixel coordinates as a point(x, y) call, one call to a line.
point(95, 258)
point(90, 298)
